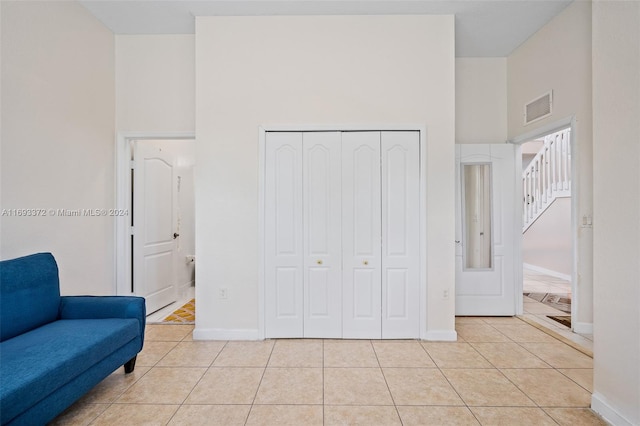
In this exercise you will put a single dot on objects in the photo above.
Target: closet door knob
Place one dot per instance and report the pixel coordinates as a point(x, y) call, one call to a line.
point(319, 262)
point(366, 262)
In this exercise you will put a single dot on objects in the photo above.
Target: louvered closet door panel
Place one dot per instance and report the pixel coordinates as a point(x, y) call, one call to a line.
point(361, 219)
point(400, 234)
point(284, 316)
point(322, 235)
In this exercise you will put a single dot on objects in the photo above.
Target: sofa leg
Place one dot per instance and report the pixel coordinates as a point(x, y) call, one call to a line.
point(130, 365)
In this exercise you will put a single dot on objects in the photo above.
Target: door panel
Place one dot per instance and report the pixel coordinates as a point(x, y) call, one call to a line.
point(365, 289)
point(317, 297)
point(400, 234)
point(397, 294)
point(485, 288)
point(361, 236)
point(154, 208)
point(287, 282)
point(322, 234)
point(283, 235)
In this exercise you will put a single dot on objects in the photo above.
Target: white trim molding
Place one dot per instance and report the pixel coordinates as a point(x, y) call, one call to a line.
point(226, 334)
point(575, 195)
point(545, 271)
point(583, 327)
point(600, 405)
point(441, 336)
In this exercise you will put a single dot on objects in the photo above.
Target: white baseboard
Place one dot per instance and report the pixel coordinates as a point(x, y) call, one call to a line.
point(183, 289)
point(600, 405)
point(583, 327)
point(441, 336)
point(225, 334)
point(547, 271)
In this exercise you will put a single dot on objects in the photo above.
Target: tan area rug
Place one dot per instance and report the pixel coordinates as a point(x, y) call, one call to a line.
point(561, 302)
point(186, 314)
point(562, 319)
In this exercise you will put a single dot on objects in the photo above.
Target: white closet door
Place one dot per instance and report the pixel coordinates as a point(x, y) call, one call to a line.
point(322, 235)
point(283, 235)
point(361, 235)
point(400, 235)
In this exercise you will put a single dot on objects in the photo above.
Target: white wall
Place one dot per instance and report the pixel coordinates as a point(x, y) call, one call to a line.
point(57, 139)
point(253, 71)
point(558, 58)
point(616, 180)
point(481, 100)
point(547, 243)
point(155, 83)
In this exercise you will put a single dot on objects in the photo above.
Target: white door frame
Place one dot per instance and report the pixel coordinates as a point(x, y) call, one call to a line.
point(122, 248)
point(526, 137)
point(262, 131)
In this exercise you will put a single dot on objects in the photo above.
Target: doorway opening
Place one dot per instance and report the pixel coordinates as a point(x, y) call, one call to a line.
point(548, 231)
point(155, 243)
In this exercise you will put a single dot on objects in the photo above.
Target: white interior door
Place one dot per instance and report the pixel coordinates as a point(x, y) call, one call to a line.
point(154, 210)
point(361, 235)
point(322, 185)
point(284, 251)
point(400, 238)
point(485, 226)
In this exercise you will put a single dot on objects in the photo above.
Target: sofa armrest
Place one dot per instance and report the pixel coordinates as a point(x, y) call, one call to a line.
point(97, 307)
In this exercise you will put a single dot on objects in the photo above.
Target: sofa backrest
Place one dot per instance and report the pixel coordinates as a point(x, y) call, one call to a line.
point(29, 293)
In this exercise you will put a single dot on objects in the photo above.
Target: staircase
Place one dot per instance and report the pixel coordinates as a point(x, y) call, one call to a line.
point(547, 177)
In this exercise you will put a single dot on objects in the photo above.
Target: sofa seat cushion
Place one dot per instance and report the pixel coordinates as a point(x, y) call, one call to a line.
point(36, 363)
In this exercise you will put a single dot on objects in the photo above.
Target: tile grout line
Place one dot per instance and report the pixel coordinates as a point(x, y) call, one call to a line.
point(199, 380)
point(518, 387)
point(493, 367)
point(114, 401)
point(551, 367)
point(323, 385)
point(520, 345)
point(393, 400)
point(497, 326)
point(557, 336)
point(466, 405)
point(260, 382)
point(110, 404)
point(500, 370)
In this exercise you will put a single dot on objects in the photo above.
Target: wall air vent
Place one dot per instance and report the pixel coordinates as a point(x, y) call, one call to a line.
point(538, 108)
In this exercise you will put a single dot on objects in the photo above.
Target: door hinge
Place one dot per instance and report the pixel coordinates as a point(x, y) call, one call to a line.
point(132, 164)
point(132, 231)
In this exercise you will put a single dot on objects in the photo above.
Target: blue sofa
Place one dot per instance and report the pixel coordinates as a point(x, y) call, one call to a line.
point(53, 349)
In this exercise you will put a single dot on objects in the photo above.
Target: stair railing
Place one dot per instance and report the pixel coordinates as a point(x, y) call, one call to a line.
point(547, 177)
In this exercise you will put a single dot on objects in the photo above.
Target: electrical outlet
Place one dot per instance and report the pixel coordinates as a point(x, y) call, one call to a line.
point(223, 293)
point(445, 294)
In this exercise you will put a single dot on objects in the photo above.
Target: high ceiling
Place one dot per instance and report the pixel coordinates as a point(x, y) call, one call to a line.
point(484, 28)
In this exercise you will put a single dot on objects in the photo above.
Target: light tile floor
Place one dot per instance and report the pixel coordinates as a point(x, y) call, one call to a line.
point(536, 282)
point(501, 371)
